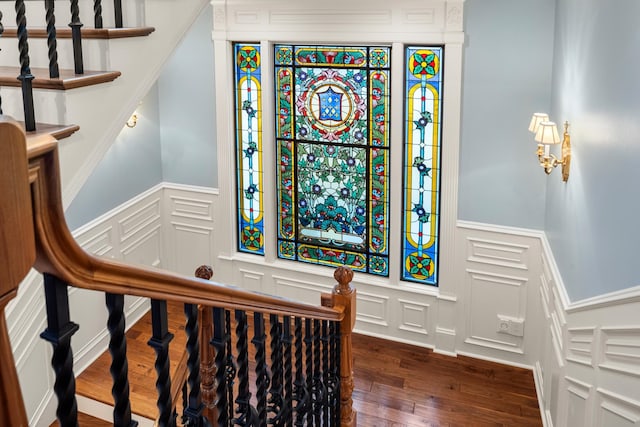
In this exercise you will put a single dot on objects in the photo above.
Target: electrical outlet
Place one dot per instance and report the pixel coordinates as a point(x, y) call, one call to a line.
point(510, 325)
point(503, 325)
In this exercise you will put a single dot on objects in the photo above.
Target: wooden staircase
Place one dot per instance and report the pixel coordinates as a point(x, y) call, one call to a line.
point(48, 90)
point(35, 234)
point(66, 79)
point(120, 64)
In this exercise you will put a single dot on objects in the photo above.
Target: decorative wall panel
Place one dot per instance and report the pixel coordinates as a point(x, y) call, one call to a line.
point(578, 411)
point(414, 317)
point(372, 308)
point(251, 280)
point(192, 208)
point(580, 348)
point(491, 295)
point(503, 254)
point(615, 410)
point(621, 350)
point(138, 219)
point(304, 291)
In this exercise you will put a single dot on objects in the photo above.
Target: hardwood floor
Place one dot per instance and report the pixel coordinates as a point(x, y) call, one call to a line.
point(85, 420)
point(395, 384)
point(95, 381)
point(402, 385)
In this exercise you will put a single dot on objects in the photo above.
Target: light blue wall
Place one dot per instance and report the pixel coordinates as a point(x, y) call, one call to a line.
point(591, 219)
point(187, 109)
point(130, 166)
point(506, 78)
point(174, 139)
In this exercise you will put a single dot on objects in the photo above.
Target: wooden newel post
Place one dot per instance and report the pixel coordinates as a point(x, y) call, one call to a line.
point(207, 353)
point(17, 255)
point(345, 296)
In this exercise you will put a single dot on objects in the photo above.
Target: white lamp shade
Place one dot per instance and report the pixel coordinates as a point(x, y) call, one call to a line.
point(547, 133)
point(536, 119)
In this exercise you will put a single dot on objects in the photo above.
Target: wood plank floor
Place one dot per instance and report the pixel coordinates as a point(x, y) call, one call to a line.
point(395, 384)
point(85, 420)
point(402, 385)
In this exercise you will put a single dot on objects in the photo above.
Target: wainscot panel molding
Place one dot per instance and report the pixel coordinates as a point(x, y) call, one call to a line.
point(588, 367)
point(585, 355)
point(189, 227)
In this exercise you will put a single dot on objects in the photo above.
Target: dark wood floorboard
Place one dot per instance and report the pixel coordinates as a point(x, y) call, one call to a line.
point(85, 420)
point(395, 384)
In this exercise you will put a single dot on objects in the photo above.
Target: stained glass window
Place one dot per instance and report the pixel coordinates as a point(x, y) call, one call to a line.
point(250, 183)
point(332, 135)
point(423, 86)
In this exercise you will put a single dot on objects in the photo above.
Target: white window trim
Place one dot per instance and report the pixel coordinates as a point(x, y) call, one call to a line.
point(399, 23)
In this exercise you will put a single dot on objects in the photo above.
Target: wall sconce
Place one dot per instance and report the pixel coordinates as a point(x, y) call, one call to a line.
point(546, 135)
point(133, 120)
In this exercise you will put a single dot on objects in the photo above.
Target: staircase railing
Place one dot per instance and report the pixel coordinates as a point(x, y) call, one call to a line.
point(309, 380)
point(26, 76)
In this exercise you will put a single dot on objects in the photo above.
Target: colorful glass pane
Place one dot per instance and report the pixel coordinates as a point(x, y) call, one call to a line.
point(332, 136)
point(248, 111)
point(423, 86)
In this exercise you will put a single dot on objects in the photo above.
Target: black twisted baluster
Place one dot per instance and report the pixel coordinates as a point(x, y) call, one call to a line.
point(185, 404)
point(317, 391)
point(219, 342)
point(324, 338)
point(308, 363)
point(119, 365)
point(52, 42)
point(117, 6)
point(230, 367)
point(76, 37)
point(97, 13)
point(334, 373)
point(262, 374)
point(1, 32)
point(338, 338)
point(247, 415)
point(160, 340)
point(193, 413)
point(287, 340)
point(59, 331)
point(299, 390)
point(275, 392)
point(25, 76)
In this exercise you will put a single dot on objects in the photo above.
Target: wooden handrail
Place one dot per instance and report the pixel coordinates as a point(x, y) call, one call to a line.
point(59, 254)
point(37, 235)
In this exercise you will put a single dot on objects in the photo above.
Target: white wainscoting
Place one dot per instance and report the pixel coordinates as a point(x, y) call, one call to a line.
point(588, 367)
point(585, 356)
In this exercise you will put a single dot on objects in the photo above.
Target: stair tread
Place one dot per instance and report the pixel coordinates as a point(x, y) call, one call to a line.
point(57, 131)
point(68, 78)
point(95, 382)
point(87, 33)
point(86, 420)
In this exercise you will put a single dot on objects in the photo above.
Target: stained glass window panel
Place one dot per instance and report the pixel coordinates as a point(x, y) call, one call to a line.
point(332, 113)
point(248, 113)
point(423, 111)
